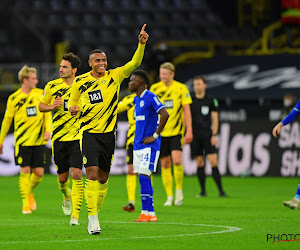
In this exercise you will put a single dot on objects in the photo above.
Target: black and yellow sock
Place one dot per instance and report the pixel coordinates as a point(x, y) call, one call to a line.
point(34, 181)
point(77, 196)
point(102, 191)
point(178, 176)
point(91, 196)
point(131, 187)
point(24, 188)
point(64, 188)
point(167, 179)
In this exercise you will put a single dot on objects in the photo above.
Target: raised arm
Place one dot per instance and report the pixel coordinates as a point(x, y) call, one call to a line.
point(138, 55)
point(288, 119)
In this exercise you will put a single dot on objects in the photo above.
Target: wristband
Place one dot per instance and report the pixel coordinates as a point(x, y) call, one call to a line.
point(214, 134)
point(155, 135)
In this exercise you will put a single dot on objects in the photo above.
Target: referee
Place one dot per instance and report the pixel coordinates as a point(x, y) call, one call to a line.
point(204, 111)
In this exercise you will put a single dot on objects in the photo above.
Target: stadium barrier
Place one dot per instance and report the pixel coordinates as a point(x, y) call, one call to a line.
point(245, 148)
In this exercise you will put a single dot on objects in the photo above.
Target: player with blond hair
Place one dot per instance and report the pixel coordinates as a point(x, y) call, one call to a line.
point(31, 131)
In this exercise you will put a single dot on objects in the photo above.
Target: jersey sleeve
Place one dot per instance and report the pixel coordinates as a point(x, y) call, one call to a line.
point(135, 62)
point(7, 120)
point(6, 123)
point(215, 105)
point(186, 96)
point(156, 104)
point(47, 95)
point(10, 109)
point(75, 94)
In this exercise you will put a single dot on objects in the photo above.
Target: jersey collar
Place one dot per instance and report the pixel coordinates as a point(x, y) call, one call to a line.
point(143, 93)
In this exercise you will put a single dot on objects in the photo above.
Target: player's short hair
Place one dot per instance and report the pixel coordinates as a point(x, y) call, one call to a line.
point(143, 75)
point(96, 51)
point(24, 73)
point(200, 78)
point(168, 65)
point(73, 59)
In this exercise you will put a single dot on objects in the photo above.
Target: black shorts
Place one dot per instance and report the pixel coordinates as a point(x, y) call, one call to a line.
point(98, 149)
point(32, 156)
point(201, 146)
point(67, 155)
point(169, 144)
point(129, 157)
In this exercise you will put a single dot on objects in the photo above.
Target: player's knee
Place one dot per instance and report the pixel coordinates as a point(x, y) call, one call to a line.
point(39, 172)
point(103, 179)
point(76, 174)
point(130, 170)
point(63, 179)
point(166, 163)
point(177, 162)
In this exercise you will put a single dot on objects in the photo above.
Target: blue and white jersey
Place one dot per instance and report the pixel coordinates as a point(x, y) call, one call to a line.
point(146, 111)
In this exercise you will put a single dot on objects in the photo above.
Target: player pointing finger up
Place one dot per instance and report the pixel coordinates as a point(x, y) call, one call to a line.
point(143, 36)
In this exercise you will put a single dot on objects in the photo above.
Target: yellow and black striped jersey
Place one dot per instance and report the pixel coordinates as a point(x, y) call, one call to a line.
point(173, 97)
point(99, 100)
point(127, 104)
point(29, 123)
point(99, 96)
point(65, 127)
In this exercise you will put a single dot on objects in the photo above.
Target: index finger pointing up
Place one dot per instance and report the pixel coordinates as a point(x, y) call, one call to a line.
point(143, 28)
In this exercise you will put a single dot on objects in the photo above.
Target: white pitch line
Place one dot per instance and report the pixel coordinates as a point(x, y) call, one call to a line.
point(229, 229)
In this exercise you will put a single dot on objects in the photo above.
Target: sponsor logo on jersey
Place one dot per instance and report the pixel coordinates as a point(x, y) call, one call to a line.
point(140, 118)
point(95, 96)
point(169, 104)
point(66, 105)
point(31, 111)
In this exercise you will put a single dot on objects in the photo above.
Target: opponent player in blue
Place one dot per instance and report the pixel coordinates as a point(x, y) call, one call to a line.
point(293, 203)
point(146, 145)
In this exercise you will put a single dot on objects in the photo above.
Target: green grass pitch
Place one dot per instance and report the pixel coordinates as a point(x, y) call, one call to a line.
point(241, 221)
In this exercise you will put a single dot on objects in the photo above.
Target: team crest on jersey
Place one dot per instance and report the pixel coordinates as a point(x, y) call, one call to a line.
point(95, 96)
point(204, 110)
point(103, 81)
point(142, 103)
point(168, 104)
point(31, 111)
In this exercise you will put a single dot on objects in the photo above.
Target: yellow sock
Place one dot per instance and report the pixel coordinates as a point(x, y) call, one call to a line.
point(64, 188)
point(102, 191)
point(24, 188)
point(178, 176)
point(131, 187)
point(91, 196)
point(77, 195)
point(167, 179)
point(34, 181)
